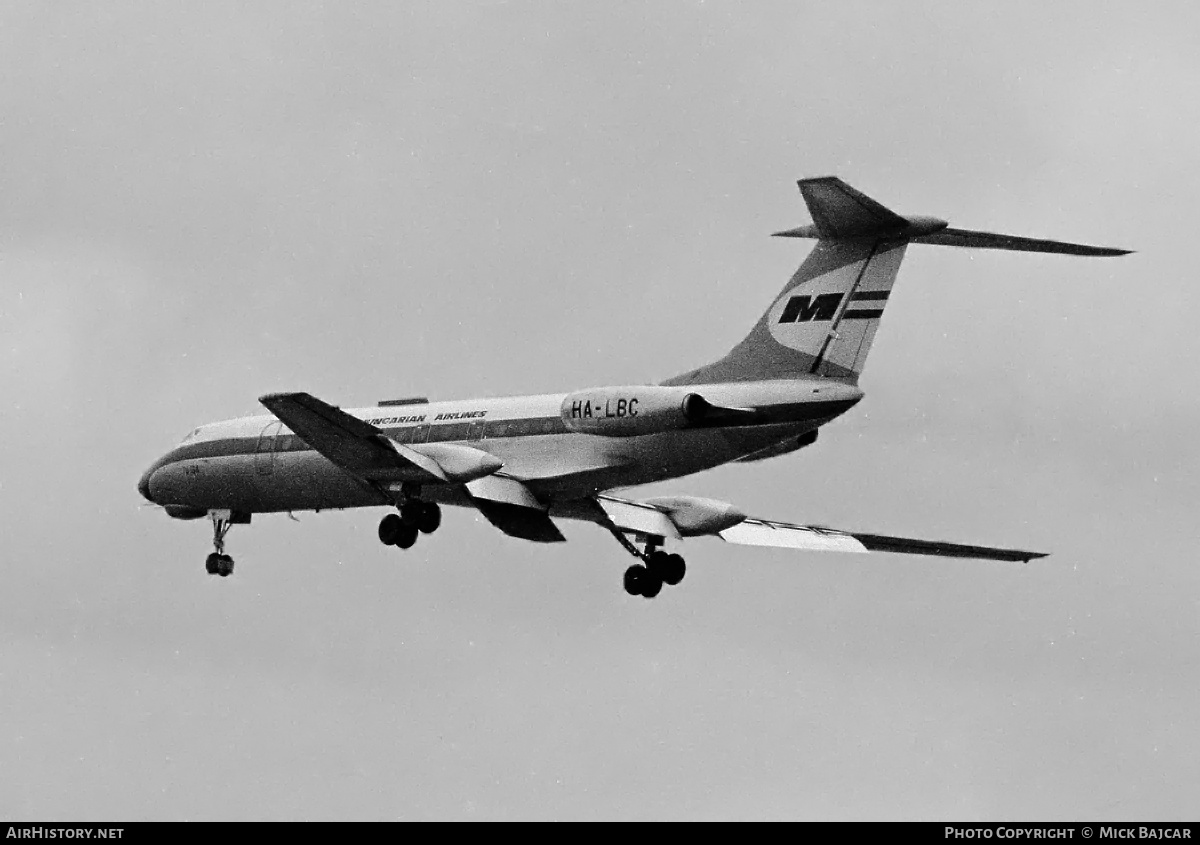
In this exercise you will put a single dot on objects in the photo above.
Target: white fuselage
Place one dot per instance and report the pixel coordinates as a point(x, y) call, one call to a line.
point(255, 464)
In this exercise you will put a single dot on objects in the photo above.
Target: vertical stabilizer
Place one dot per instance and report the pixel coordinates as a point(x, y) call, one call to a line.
point(824, 321)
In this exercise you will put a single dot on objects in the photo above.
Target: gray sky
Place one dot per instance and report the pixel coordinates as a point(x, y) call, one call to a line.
point(199, 205)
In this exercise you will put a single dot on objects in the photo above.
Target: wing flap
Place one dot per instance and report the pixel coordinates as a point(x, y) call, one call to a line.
point(523, 523)
point(758, 532)
point(509, 491)
point(511, 506)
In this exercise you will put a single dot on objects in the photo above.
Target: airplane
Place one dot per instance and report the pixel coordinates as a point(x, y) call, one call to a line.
point(525, 461)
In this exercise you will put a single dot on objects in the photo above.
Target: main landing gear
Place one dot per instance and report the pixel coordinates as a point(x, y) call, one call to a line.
point(646, 579)
point(415, 518)
point(219, 563)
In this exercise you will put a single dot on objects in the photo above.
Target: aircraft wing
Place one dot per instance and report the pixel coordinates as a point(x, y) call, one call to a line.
point(761, 532)
point(689, 516)
point(366, 452)
point(349, 442)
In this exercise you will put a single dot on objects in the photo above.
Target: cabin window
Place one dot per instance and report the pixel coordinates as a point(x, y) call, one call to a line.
point(403, 435)
point(454, 431)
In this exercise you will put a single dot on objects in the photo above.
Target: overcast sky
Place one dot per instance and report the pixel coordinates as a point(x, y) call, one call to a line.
point(205, 203)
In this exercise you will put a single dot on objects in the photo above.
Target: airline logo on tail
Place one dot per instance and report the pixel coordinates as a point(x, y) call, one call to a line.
point(803, 308)
point(799, 320)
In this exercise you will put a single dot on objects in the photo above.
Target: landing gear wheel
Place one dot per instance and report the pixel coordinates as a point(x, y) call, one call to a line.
point(633, 579)
point(672, 569)
point(669, 568)
point(389, 528)
point(410, 513)
point(640, 581)
point(430, 519)
point(651, 585)
point(405, 537)
point(219, 563)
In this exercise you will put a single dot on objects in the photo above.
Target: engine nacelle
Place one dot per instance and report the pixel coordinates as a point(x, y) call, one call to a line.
point(630, 411)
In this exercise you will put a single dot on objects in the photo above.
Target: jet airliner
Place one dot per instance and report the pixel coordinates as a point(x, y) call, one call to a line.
point(524, 462)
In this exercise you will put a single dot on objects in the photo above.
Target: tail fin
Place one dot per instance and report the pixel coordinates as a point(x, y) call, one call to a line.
point(824, 320)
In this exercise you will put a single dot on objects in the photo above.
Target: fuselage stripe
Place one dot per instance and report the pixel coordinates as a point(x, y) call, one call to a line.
point(461, 432)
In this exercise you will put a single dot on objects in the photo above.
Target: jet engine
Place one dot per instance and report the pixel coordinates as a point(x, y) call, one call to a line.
point(649, 409)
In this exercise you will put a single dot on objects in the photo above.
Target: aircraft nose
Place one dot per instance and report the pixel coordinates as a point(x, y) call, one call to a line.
point(144, 484)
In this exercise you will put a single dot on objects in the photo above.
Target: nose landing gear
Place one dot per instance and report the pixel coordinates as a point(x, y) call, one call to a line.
point(219, 563)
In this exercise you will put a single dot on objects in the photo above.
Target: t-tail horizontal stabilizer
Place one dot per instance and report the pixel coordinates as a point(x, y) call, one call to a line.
point(988, 240)
point(840, 213)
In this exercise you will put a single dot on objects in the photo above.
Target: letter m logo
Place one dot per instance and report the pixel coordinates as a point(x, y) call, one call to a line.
point(802, 309)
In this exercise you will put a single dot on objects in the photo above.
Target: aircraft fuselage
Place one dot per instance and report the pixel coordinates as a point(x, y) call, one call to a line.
point(256, 465)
